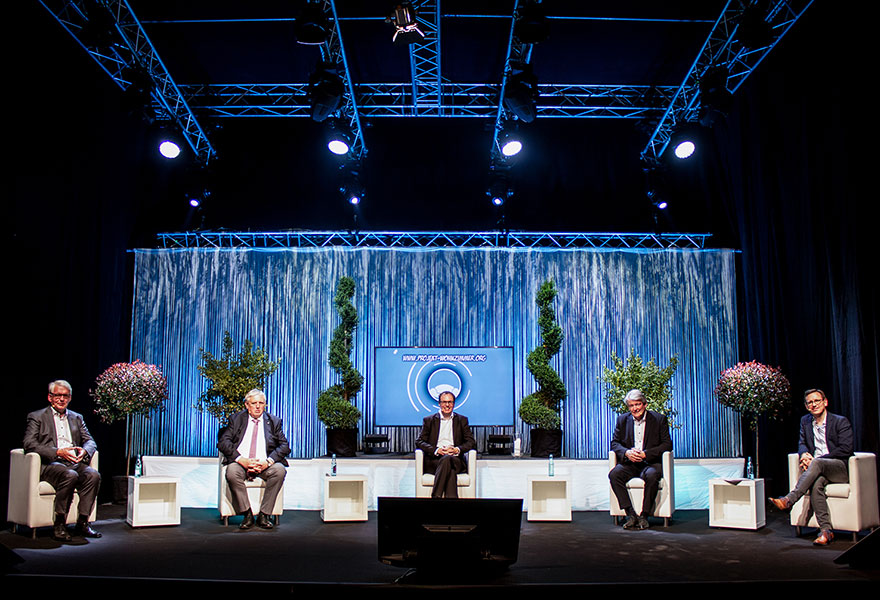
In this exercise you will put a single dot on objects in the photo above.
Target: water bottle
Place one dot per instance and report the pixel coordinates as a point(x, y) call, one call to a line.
point(550, 469)
point(138, 467)
point(333, 466)
point(750, 472)
point(517, 446)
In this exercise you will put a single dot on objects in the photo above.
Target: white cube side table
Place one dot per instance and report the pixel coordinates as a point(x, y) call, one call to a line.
point(345, 498)
point(549, 498)
point(153, 501)
point(737, 503)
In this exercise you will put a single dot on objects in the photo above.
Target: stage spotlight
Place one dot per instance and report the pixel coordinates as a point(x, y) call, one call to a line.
point(684, 139)
point(531, 25)
point(338, 137)
point(499, 190)
point(406, 28)
point(326, 90)
point(311, 28)
point(715, 99)
point(685, 149)
point(169, 149)
point(195, 202)
point(511, 146)
point(521, 92)
point(352, 189)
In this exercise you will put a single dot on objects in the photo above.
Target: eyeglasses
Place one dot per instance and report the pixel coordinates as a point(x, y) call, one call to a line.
point(60, 396)
point(814, 402)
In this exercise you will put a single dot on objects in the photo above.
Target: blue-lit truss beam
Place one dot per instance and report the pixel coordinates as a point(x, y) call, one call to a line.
point(723, 49)
point(424, 61)
point(431, 239)
point(131, 49)
point(459, 100)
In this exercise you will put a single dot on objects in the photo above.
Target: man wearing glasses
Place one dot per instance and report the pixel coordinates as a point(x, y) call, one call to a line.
point(824, 447)
point(62, 440)
point(445, 438)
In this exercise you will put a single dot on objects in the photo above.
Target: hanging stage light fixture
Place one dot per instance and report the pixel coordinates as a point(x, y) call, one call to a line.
point(311, 28)
point(326, 90)
point(406, 27)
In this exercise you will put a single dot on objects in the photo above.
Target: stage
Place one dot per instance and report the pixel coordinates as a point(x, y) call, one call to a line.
point(304, 552)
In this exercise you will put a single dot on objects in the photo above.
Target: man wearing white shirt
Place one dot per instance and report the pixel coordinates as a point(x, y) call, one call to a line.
point(66, 447)
point(254, 445)
point(445, 439)
point(640, 439)
point(824, 447)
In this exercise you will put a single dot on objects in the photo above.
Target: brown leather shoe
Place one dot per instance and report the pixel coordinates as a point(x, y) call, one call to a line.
point(780, 503)
point(824, 538)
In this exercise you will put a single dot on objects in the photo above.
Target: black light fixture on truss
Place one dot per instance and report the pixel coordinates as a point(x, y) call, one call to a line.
point(521, 92)
point(326, 90)
point(531, 26)
point(715, 99)
point(312, 27)
point(499, 189)
point(338, 136)
point(655, 183)
point(352, 189)
point(685, 139)
point(406, 27)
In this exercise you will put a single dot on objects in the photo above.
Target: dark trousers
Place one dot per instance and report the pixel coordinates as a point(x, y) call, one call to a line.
point(67, 478)
point(236, 476)
point(623, 472)
point(445, 470)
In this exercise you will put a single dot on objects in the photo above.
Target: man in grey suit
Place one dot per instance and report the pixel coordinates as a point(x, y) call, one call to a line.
point(254, 445)
point(62, 440)
point(824, 447)
point(640, 439)
point(445, 439)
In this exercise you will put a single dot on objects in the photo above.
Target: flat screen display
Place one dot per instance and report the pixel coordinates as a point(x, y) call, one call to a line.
point(409, 382)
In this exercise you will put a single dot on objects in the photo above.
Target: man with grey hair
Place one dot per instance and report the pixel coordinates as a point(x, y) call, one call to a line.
point(640, 438)
point(824, 447)
point(66, 448)
point(254, 445)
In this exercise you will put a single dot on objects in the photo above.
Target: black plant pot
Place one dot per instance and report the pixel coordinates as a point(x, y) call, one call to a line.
point(342, 442)
point(546, 442)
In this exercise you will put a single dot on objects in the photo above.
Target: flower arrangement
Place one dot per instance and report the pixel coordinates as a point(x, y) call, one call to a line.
point(754, 389)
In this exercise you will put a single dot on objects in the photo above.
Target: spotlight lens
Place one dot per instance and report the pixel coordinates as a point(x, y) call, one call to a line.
point(194, 202)
point(511, 148)
point(685, 149)
point(662, 205)
point(355, 199)
point(338, 147)
point(169, 149)
point(497, 200)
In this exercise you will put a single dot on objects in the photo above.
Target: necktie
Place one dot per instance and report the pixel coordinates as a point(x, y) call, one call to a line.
point(253, 451)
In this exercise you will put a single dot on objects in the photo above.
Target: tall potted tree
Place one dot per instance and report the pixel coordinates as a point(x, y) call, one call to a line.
point(635, 374)
point(541, 409)
point(335, 408)
point(232, 376)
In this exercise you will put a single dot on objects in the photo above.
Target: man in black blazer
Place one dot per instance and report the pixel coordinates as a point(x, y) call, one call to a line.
point(640, 439)
point(824, 447)
point(254, 445)
point(66, 447)
point(445, 438)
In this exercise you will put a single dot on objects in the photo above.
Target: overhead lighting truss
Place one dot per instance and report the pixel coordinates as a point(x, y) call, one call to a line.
point(424, 61)
point(432, 239)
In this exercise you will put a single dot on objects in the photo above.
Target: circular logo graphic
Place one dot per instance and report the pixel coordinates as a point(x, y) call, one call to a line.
point(426, 381)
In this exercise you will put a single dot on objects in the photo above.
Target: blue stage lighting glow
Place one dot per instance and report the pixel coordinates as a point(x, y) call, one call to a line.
point(169, 149)
point(194, 202)
point(511, 147)
point(497, 200)
point(685, 149)
point(662, 205)
point(355, 199)
point(338, 146)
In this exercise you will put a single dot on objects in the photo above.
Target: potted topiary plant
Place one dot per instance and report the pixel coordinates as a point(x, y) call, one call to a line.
point(335, 408)
point(232, 376)
point(127, 389)
point(753, 389)
point(541, 409)
point(634, 374)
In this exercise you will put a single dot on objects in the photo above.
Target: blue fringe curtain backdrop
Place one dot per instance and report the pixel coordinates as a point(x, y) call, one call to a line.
point(660, 302)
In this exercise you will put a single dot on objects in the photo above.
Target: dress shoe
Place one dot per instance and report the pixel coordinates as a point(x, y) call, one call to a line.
point(248, 520)
point(780, 503)
point(60, 534)
point(85, 530)
point(643, 522)
point(631, 523)
point(824, 538)
point(264, 521)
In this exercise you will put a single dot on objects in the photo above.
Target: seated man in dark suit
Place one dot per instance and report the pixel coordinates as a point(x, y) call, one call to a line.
point(254, 445)
point(62, 440)
point(445, 438)
point(824, 447)
point(640, 439)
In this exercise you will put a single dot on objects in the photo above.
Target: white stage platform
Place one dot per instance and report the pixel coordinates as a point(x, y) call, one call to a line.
point(395, 476)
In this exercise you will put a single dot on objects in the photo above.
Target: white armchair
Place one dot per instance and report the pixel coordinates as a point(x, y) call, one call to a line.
point(467, 481)
point(664, 505)
point(255, 489)
point(852, 506)
point(31, 501)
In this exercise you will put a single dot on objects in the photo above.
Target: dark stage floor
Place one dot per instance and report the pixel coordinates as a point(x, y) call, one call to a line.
point(303, 551)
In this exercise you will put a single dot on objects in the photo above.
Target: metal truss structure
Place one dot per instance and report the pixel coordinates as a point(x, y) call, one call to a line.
point(427, 94)
point(432, 239)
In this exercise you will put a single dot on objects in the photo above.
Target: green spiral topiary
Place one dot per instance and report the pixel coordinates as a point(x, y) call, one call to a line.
point(542, 408)
point(335, 408)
